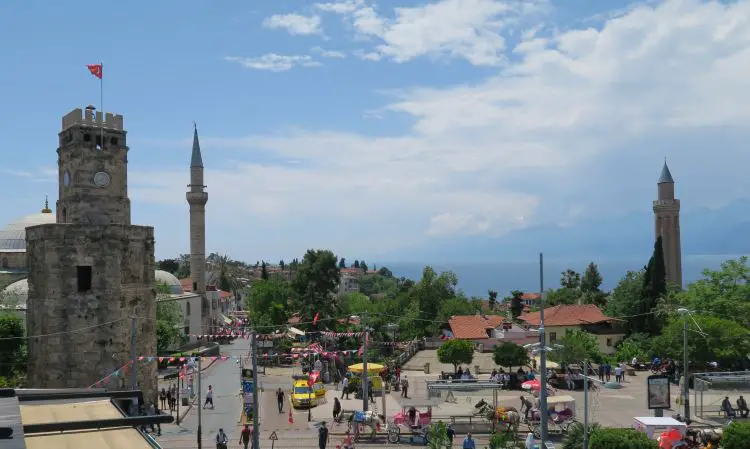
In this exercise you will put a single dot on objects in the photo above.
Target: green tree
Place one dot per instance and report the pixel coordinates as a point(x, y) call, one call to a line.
point(428, 296)
point(281, 264)
point(626, 300)
point(570, 279)
point(591, 280)
point(621, 439)
point(714, 339)
point(508, 354)
point(575, 347)
point(574, 436)
point(736, 435)
point(168, 265)
point(491, 299)
point(268, 301)
point(184, 270)
point(654, 288)
point(456, 306)
point(342, 263)
point(168, 319)
point(356, 264)
point(363, 266)
point(315, 281)
point(516, 303)
point(562, 296)
point(438, 436)
point(637, 345)
point(456, 352)
point(12, 344)
point(385, 272)
point(263, 271)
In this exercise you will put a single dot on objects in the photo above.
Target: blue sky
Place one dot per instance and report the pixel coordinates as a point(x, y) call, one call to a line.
point(367, 128)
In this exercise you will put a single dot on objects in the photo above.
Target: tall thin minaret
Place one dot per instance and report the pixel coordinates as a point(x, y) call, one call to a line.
point(667, 219)
point(197, 198)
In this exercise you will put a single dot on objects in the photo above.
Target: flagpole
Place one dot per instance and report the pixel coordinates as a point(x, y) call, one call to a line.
point(101, 101)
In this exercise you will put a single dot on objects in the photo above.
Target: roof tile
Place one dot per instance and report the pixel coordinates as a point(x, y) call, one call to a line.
point(567, 315)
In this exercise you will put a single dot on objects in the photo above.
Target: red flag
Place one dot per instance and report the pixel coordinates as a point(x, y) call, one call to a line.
point(291, 418)
point(96, 69)
point(315, 320)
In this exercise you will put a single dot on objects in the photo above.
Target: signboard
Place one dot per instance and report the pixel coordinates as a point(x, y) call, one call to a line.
point(273, 436)
point(247, 386)
point(265, 343)
point(658, 393)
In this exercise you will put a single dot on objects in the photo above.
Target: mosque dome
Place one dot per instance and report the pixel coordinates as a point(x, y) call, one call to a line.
point(17, 293)
point(13, 236)
point(171, 280)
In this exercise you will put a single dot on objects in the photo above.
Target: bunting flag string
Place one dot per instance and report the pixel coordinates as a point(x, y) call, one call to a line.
point(121, 371)
point(341, 334)
point(295, 354)
point(244, 335)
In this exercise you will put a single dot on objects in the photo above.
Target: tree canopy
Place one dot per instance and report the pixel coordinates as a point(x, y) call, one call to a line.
point(575, 347)
point(456, 352)
point(509, 354)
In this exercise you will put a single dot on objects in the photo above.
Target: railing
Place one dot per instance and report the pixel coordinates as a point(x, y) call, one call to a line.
point(412, 348)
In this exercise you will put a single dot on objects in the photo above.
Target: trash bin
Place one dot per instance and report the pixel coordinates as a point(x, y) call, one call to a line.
point(427, 368)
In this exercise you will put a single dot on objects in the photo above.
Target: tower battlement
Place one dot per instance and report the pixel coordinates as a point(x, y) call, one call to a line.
point(90, 117)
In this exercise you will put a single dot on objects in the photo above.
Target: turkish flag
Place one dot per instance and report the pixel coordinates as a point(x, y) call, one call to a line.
point(96, 69)
point(315, 320)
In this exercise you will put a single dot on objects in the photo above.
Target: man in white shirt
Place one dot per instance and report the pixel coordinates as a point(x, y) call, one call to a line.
point(345, 388)
point(209, 397)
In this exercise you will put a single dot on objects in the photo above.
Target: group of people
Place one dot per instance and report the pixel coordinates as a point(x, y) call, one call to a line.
point(222, 439)
point(742, 409)
point(605, 372)
point(168, 398)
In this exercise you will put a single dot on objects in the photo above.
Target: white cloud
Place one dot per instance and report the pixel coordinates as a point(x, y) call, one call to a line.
point(328, 53)
point(489, 157)
point(295, 24)
point(274, 62)
point(367, 56)
point(469, 29)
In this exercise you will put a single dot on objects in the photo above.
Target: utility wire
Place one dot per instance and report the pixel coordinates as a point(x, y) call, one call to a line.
point(54, 334)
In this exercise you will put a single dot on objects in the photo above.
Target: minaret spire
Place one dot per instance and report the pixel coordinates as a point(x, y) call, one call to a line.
point(46, 209)
point(197, 199)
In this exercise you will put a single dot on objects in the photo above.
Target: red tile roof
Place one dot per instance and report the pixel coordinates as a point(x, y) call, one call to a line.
point(187, 285)
point(224, 295)
point(567, 315)
point(533, 296)
point(473, 327)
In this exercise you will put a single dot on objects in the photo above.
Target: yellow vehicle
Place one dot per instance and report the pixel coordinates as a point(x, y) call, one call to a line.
point(303, 395)
point(313, 378)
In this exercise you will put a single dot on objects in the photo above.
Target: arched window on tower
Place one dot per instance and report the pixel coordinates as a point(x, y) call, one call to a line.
point(65, 215)
point(5, 262)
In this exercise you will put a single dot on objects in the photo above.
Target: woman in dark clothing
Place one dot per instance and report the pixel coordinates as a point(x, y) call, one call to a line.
point(336, 408)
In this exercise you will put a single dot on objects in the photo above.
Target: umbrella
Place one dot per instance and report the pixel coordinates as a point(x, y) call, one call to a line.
point(532, 385)
point(371, 367)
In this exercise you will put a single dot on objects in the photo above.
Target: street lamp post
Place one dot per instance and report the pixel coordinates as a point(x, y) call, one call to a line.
point(543, 413)
point(686, 384)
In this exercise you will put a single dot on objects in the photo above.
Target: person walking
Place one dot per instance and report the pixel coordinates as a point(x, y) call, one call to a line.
point(173, 390)
point(336, 408)
point(168, 395)
point(618, 374)
point(163, 397)
point(245, 435)
point(345, 387)
point(209, 397)
point(323, 435)
point(601, 372)
point(607, 371)
point(469, 442)
point(370, 392)
point(280, 399)
point(405, 387)
point(451, 433)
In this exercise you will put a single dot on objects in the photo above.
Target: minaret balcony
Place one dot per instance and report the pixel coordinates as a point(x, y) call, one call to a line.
point(197, 197)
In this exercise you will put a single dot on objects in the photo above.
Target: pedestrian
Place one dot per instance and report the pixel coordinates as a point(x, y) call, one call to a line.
point(151, 411)
point(209, 397)
point(607, 370)
point(370, 392)
point(322, 435)
point(173, 390)
point(163, 398)
point(345, 387)
point(618, 374)
point(405, 387)
point(158, 425)
point(168, 395)
point(280, 399)
point(622, 371)
point(336, 408)
point(451, 433)
point(469, 442)
point(398, 374)
point(245, 436)
point(601, 372)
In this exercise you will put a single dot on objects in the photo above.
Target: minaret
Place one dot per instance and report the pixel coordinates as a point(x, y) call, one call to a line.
point(667, 220)
point(197, 199)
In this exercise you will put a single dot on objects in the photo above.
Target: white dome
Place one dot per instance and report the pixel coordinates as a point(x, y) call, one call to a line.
point(16, 294)
point(13, 236)
point(171, 280)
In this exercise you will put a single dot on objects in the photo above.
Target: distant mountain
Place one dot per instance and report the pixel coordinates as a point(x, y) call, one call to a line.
point(724, 231)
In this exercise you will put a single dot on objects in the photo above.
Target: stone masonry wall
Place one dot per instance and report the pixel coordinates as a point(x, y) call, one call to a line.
point(122, 285)
point(13, 260)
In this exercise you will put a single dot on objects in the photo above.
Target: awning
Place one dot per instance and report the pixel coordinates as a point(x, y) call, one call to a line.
point(227, 320)
point(295, 331)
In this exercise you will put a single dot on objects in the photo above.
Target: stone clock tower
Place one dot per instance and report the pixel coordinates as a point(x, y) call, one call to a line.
point(92, 271)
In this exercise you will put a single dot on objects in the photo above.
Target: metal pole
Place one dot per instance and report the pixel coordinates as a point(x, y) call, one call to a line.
point(365, 378)
point(179, 392)
point(256, 421)
point(686, 386)
point(585, 404)
point(544, 412)
point(134, 352)
point(200, 406)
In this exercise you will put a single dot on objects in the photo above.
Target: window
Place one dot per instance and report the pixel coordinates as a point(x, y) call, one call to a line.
point(187, 308)
point(65, 215)
point(195, 286)
point(84, 278)
point(113, 141)
point(5, 262)
point(609, 342)
point(552, 337)
point(87, 137)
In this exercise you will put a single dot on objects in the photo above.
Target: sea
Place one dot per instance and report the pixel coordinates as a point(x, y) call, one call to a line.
point(475, 279)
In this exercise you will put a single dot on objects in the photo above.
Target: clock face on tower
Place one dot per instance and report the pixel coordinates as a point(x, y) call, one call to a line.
point(101, 179)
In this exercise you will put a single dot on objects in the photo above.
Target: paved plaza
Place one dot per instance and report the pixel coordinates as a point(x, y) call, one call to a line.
point(608, 407)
